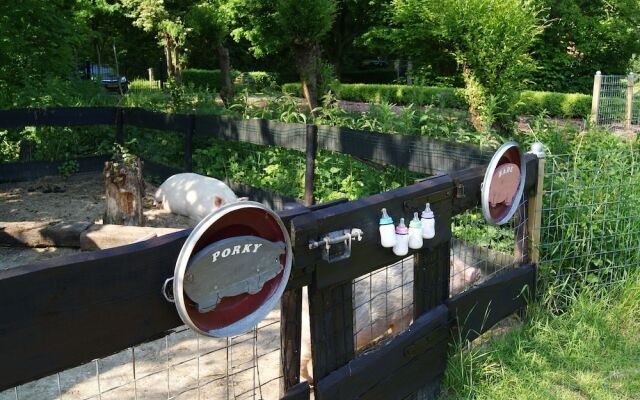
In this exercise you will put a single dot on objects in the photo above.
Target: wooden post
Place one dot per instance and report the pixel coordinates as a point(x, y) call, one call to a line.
point(290, 337)
point(119, 126)
point(628, 115)
point(151, 77)
point(431, 271)
point(535, 206)
point(595, 99)
point(309, 176)
point(124, 192)
point(188, 142)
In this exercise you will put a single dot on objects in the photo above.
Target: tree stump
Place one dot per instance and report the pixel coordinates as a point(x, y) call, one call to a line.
point(125, 191)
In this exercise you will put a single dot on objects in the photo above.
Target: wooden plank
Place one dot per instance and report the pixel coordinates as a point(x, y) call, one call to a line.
point(310, 167)
point(57, 116)
point(301, 391)
point(25, 171)
point(42, 234)
point(256, 131)
point(290, 336)
point(394, 371)
point(478, 309)
point(331, 320)
point(155, 120)
point(188, 143)
point(367, 255)
point(74, 309)
point(417, 153)
point(431, 278)
point(99, 236)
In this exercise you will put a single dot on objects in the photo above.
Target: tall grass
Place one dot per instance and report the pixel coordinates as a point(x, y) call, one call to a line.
point(592, 351)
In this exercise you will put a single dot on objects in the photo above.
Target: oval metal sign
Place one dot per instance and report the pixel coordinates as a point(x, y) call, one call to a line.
point(503, 184)
point(232, 269)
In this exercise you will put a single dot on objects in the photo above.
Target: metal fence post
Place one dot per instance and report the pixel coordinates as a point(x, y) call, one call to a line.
point(535, 206)
point(595, 99)
point(628, 114)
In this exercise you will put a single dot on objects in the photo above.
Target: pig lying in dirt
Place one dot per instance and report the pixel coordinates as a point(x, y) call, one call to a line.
point(193, 195)
point(383, 306)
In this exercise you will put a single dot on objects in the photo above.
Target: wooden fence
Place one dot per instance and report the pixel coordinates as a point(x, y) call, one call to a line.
point(67, 311)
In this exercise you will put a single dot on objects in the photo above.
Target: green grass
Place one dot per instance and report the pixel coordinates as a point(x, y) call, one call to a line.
point(592, 351)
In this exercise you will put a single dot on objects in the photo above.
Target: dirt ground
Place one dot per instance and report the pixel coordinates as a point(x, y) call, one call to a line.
point(81, 197)
point(183, 365)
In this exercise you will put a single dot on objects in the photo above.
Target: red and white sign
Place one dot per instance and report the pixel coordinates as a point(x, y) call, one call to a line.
point(503, 184)
point(232, 269)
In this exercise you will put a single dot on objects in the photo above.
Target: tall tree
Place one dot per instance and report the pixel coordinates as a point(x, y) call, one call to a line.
point(491, 41)
point(153, 16)
point(295, 25)
point(208, 21)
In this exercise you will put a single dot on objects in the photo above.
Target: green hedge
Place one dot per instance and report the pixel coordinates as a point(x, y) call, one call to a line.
point(258, 80)
point(204, 78)
point(532, 103)
point(555, 104)
point(397, 94)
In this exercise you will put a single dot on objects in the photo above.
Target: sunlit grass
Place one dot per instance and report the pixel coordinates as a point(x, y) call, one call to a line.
point(592, 351)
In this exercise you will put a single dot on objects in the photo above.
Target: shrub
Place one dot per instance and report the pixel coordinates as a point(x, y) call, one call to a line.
point(257, 80)
point(204, 78)
point(555, 104)
point(531, 103)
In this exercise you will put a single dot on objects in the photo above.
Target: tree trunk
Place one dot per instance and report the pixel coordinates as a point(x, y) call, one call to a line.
point(176, 62)
point(307, 58)
point(226, 85)
point(167, 54)
point(124, 190)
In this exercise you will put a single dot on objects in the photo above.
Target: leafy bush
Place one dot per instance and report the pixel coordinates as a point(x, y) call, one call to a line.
point(396, 94)
point(531, 103)
point(257, 80)
point(204, 78)
point(555, 104)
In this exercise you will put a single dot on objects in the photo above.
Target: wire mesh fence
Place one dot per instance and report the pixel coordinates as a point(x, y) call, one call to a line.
point(182, 365)
point(618, 103)
point(590, 232)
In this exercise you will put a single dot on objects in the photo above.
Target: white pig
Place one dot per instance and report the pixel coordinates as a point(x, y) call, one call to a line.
point(193, 195)
point(383, 306)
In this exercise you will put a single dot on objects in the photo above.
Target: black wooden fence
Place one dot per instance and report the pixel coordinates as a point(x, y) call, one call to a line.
point(63, 312)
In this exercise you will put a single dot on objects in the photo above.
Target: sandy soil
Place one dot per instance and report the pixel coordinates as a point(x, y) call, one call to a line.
point(55, 199)
point(183, 365)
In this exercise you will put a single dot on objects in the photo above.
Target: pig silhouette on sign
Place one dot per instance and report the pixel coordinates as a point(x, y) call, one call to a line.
point(504, 184)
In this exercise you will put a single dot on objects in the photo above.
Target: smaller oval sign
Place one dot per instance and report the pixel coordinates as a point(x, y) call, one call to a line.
point(232, 269)
point(503, 184)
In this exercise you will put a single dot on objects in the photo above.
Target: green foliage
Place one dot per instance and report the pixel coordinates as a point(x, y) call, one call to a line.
point(68, 168)
point(202, 78)
point(305, 23)
point(574, 105)
point(591, 351)
point(258, 81)
point(491, 40)
point(555, 104)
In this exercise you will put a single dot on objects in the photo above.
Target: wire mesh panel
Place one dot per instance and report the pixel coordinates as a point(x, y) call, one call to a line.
point(480, 250)
point(382, 304)
point(182, 365)
point(613, 90)
point(590, 218)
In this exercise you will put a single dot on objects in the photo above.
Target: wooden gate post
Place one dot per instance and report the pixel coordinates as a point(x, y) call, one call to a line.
point(535, 206)
point(119, 126)
point(595, 99)
point(188, 142)
point(309, 175)
point(628, 115)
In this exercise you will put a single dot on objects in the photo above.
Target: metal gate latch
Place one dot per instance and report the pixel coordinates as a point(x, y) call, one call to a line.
point(342, 239)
